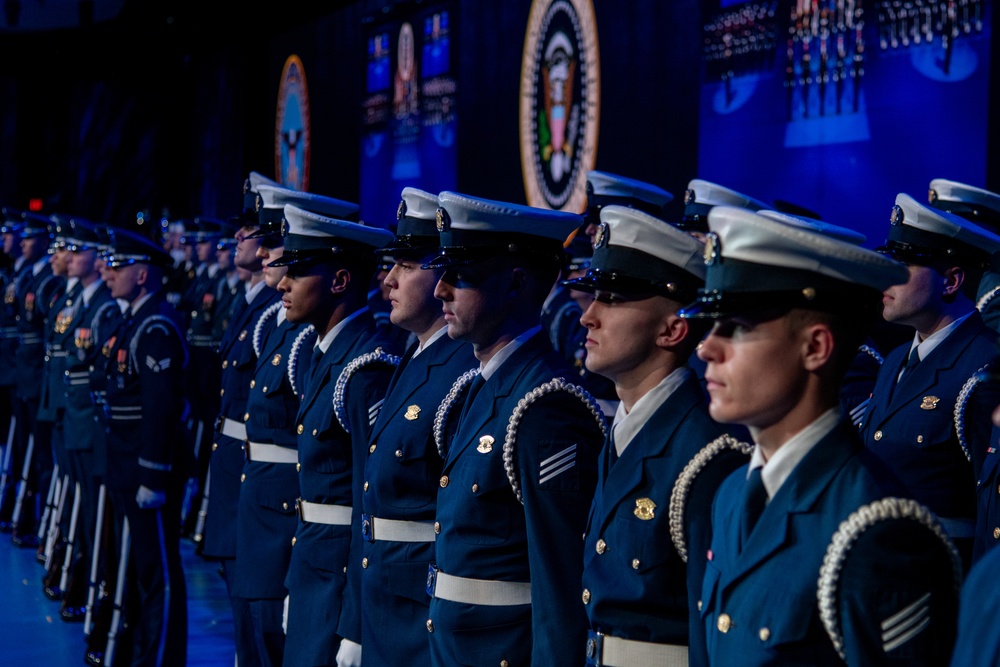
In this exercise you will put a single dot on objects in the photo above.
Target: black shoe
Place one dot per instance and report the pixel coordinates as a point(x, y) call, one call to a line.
point(71, 614)
point(24, 540)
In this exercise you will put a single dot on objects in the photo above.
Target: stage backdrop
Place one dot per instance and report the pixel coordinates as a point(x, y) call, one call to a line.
point(838, 105)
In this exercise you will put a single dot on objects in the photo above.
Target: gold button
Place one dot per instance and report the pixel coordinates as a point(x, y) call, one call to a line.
point(293, 541)
point(437, 527)
point(222, 392)
point(475, 488)
point(299, 429)
point(399, 453)
point(586, 596)
point(284, 506)
point(444, 481)
point(215, 446)
point(504, 663)
point(264, 390)
point(724, 623)
point(996, 533)
point(602, 546)
point(243, 478)
point(764, 634)
point(430, 625)
point(635, 563)
point(371, 449)
point(366, 486)
point(225, 363)
point(253, 383)
point(246, 416)
point(364, 563)
point(315, 432)
point(699, 605)
point(878, 435)
point(920, 438)
point(298, 467)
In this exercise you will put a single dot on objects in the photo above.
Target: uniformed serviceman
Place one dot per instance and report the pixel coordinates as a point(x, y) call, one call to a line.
point(78, 419)
point(16, 266)
point(521, 465)
point(330, 263)
point(790, 308)
point(146, 457)
point(981, 207)
point(32, 297)
point(909, 421)
point(643, 271)
point(261, 483)
point(403, 464)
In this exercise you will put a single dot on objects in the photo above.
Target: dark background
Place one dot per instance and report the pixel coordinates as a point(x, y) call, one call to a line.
point(169, 104)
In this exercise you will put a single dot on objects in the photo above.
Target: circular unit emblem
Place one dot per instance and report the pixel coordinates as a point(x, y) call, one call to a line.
point(291, 127)
point(560, 103)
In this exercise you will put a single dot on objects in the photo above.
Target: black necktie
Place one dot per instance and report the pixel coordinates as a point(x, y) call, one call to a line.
point(470, 395)
point(754, 500)
point(314, 363)
point(911, 363)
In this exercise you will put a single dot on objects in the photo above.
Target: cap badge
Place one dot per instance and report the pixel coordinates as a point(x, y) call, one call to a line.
point(645, 509)
point(258, 203)
point(929, 402)
point(689, 197)
point(284, 227)
point(485, 444)
point(443, 222)
point(897, 215)
point(809, 293)
point(602, 236)
point(401, 211)
point(932, 196)
point(412, 412)
point(713, 246)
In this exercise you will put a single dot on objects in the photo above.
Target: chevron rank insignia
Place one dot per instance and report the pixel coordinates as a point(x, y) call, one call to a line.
point(157, 366)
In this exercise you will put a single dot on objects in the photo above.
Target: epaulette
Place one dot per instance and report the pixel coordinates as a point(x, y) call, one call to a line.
point(960, 403)
point(293, 355)
point(102, 311)
point(340, 389)
point(447, 403)
point(148, 325)
point(259, 327)
point(985, 299)
point(561, 461)
point(873, 353)
point(902, 626)
point(685, 480)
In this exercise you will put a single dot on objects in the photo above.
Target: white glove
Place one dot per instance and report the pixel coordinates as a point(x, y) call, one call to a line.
point(349, 654)
point(150, 499)
point(284, 617)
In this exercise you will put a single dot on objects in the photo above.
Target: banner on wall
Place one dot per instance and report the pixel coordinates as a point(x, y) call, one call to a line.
point(291, 127)
point(408, 111)
point(838, 105)
point(559, 103)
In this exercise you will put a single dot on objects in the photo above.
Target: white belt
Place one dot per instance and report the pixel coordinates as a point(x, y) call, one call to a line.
point(233, 429)
point(331, 515)
point(261, 452)
point(608, 651)
point(394, 530)
point(478, 591)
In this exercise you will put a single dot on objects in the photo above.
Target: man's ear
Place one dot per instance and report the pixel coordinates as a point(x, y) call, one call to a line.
point(340, 281)
point(143, 276)
point(954, 278)
point(673, 331)
point(817, 346)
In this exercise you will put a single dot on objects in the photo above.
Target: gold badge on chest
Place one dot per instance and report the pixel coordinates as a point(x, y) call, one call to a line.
point(645, 509)
point(485, 444)
point(929, 402)
point(412, 412)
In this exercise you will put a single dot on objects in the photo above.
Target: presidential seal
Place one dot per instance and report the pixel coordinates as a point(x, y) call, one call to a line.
point(560, 103)
point(291, 127)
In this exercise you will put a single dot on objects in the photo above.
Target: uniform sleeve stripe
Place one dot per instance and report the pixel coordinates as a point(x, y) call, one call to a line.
point(562, 454)
point(554, 473)
point(152, 465)
point(902, 614)
point(899, 641)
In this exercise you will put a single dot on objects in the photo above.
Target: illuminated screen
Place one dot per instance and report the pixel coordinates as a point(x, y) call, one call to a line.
point(409, 112)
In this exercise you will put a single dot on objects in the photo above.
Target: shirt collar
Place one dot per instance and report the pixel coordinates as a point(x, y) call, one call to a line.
point(436, 336)
point(628, 423)
point(776, 470)
point(510, 348)
point(327, 340)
